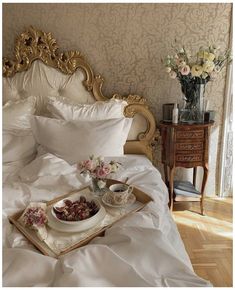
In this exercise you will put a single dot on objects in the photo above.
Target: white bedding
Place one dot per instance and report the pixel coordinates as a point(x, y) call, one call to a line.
point(144, 249)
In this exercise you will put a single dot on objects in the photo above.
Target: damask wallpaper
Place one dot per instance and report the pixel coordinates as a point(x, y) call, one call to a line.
point(125, 43)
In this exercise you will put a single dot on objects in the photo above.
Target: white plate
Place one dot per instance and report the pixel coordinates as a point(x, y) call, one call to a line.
point(130, 201)
point(80, 226)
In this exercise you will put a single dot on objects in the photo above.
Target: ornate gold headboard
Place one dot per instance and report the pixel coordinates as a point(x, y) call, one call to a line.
point(35, 44)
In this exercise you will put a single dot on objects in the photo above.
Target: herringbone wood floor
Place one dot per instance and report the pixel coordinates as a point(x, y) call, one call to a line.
point(208, 239)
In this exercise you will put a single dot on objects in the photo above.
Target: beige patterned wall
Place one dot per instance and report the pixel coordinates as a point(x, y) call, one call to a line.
point(125, 44)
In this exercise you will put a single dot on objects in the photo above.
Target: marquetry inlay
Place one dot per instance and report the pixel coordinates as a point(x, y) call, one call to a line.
point(189, 146)
point(190, 134)
point(189, 158)
point(185, 145)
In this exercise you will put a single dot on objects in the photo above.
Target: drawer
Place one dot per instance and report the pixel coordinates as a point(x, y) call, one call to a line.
point(189, 146)
point(189, 157)
point(196, 134)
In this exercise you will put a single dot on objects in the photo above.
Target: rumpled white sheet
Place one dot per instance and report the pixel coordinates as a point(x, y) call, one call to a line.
point(144, 249)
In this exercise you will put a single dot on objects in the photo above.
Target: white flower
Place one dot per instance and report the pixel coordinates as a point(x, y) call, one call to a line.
point(168, 69)
point(168, 61)
point(205, 64)
point(101, 158)
point(211, 56)
point(114, 167)
point(208, 66)
point(101, 184)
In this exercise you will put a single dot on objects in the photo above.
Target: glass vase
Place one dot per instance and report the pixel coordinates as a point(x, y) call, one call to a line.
point(98, 186)
point(193, 110)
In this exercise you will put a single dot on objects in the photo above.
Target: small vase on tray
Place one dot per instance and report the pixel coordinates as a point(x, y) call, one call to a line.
point(98, 186)
point(99, 171)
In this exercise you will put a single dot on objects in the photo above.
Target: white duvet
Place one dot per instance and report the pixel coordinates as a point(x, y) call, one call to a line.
point(144, 249)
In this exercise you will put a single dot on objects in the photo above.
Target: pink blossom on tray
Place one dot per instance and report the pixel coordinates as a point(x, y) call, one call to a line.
point(100, 172)
point(34, 217)
point(97, 168)
point(88, 165)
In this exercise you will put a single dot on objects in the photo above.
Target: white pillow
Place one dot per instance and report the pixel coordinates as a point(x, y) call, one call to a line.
point(16, 114)
point(75, 141)
point(18, 145)
point(60, 108)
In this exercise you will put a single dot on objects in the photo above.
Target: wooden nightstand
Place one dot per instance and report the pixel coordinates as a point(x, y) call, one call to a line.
point(185, 145)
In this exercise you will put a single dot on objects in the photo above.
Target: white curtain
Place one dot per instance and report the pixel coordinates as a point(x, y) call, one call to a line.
point(226, 164)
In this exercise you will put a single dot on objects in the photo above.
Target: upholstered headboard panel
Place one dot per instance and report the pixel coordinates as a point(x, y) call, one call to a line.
point(42, 80)
point(40, 71)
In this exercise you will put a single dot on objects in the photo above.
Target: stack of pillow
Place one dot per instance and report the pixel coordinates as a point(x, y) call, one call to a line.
point(72, 132)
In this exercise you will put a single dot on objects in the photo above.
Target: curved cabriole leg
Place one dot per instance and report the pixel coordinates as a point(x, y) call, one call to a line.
point(166, 174)
point(171, 187)
point(205, 176)
point(194, 176)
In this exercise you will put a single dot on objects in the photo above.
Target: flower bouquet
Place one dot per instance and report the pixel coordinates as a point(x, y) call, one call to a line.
point(98, 170)
point(193, 72)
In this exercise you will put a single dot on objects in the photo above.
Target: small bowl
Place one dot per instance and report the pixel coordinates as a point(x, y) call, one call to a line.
point(74, 198)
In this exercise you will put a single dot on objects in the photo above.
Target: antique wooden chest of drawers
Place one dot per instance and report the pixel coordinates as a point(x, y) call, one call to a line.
point(185, 145)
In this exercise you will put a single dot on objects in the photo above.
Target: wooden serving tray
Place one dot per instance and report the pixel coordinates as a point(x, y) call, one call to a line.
point(141, 197)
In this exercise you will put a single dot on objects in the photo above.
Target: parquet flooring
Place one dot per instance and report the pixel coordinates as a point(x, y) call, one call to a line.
point(208, 239)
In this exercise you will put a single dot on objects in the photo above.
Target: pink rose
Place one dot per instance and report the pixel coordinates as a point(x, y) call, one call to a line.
point(88, 165)
point(185, 70)
point(107, 168)
point(100, 172)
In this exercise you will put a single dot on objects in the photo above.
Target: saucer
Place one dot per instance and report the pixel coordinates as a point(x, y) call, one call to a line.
point(107, 201)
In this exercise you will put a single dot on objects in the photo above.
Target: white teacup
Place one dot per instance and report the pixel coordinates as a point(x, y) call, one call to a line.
point(120, 193)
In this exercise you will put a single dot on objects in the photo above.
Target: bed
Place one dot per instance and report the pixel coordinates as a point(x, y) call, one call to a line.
point(145, 248)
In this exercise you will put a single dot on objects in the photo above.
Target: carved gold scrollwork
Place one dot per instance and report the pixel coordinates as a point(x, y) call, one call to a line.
point(131, 99)
point(138, 105)
point(35, 44)
point(157, 140)
point(147, 138)
point(133, 109)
